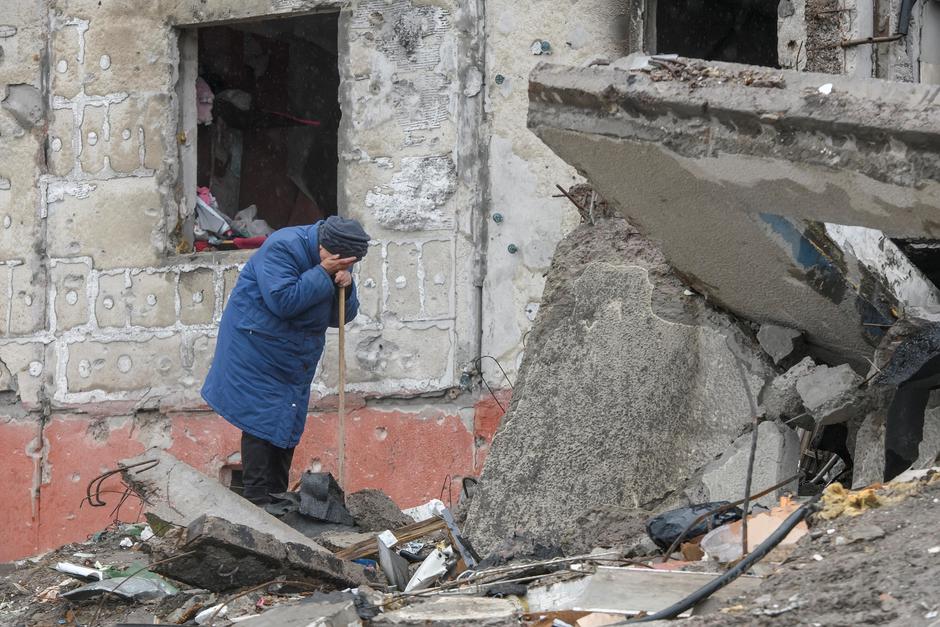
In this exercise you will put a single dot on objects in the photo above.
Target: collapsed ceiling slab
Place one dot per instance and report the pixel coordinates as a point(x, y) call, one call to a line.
point(733, 170)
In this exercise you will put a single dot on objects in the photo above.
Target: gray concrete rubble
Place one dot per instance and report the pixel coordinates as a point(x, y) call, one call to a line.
point(777, 458)
point(335, 610)
point(733, 170)
point(630, 384)
point(219, 555)
point(778, 342)
point(831, 395)
point(782, 401)
point(178, 493)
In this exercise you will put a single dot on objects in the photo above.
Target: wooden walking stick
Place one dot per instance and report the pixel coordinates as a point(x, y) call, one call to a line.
point(342, 388)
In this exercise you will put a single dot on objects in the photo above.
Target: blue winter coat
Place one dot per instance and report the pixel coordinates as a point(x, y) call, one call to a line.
point(272, 336)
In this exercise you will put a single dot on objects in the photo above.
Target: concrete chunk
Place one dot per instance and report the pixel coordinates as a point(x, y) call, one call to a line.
point(781, 401)
point(178, 493)
point(776, 458)
point(227, 555)
point(778, 342)
point(620, 361)
point(831, 395)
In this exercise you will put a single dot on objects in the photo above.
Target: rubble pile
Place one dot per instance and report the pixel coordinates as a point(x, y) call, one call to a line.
point(660, 459)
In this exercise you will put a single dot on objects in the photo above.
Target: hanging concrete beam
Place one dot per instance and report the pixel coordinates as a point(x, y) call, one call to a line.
point(733, 169)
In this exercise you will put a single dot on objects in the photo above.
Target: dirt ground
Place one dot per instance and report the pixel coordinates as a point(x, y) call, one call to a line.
point(879, 568)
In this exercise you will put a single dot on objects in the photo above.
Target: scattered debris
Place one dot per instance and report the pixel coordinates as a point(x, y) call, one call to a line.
point(666, 528)
point(725, 543)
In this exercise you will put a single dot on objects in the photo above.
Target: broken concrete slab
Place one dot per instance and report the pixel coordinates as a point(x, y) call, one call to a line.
point(777, 457)
point(831, 395)
point(735, 177)
point(454, 610)
point(781, 401)
point(178, 493)
point(777, 341)
point(337, 609)
point(620, 361)
point(373, 510)
point(226, 555)
point(629, 591)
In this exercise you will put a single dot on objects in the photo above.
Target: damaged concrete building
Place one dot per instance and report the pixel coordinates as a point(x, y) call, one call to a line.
point(757, 196)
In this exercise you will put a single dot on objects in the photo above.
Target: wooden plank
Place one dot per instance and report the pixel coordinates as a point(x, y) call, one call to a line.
point(405, 534)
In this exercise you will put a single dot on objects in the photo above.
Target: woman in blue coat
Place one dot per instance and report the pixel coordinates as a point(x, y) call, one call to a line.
point(271, 338)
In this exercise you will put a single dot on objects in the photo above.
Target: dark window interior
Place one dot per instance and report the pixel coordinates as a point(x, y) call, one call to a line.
point(272, 140)
point(737, 31)
point(923, 253)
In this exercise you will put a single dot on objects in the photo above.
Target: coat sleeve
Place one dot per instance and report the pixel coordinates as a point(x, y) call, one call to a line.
point(288, 291)
point(352, 306)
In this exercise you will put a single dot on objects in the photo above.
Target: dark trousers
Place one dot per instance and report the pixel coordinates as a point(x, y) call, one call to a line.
point(265, 469)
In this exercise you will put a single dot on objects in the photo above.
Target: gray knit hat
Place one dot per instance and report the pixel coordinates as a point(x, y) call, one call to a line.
point(344, 237)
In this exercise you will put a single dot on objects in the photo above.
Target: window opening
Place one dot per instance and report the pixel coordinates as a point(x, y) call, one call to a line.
point(736, 31)
point(267, 110)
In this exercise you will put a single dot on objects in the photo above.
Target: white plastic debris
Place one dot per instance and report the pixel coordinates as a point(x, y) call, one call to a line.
point(146, 533)
point(80, 572)
point(934, 550)
point(426, 511)
point(203, 617)
point(431, 569)
point(817, 557)
point(825, 89)
point(127, 543)
point(388, 538)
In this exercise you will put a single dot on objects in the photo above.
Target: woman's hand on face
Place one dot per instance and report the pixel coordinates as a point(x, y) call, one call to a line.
point(333, 264)
point(343, 278)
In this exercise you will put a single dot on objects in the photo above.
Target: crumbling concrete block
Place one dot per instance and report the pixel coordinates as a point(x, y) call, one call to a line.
point(831, 395)
point(778, 342)
point(226, 555)
point(621, 363)
point(781, 401)
point(776, 458)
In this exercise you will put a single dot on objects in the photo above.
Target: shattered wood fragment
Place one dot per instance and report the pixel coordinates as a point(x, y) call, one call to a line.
point(408, 533)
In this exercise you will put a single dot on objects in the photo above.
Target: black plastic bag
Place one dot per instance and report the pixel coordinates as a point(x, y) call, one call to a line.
point(666, 527)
